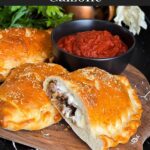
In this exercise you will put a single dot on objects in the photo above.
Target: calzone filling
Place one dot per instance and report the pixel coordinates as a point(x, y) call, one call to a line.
point(66, 102)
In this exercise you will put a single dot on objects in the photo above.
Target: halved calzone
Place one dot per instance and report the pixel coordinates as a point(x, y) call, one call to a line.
point(23, 103)
point(23, 45)
point(102, 109)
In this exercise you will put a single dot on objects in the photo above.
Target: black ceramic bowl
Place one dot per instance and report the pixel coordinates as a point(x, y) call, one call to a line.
point(72, 62)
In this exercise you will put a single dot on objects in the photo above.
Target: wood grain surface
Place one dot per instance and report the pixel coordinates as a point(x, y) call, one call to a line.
point(61, 137)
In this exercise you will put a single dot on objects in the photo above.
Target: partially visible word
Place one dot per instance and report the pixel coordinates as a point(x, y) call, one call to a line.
point(145, 96)
point(135, 139)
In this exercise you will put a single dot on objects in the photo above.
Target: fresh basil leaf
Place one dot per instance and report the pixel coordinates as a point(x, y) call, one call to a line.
point(14, 8)
point(53, 10)
point(21, 12)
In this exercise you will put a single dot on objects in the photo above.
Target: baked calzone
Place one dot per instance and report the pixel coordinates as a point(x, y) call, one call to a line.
point(23, 45)
point(23, 103)
point(102, 109)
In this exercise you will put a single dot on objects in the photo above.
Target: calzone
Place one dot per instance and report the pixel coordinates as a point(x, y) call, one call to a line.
point(102, 109)
point(23, 45)
point(23, 103)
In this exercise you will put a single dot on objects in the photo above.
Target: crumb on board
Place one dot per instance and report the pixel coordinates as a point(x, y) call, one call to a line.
point(44, 134)
point(66, 129)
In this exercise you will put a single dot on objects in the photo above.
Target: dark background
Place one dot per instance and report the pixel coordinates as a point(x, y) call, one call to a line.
point(75, 2)
point(141, 57)
point(141, 60)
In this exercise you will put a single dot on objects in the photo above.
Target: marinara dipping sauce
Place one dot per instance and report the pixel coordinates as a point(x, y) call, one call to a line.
point(94, 44)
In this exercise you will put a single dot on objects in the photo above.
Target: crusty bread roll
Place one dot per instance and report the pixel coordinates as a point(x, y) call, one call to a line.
point(23, 45)
point(102, 109)
point(23, 103)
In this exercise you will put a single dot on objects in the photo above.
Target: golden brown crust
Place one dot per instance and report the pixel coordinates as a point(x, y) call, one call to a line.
point(22, 45)
point(23, 103)
point(112, 106)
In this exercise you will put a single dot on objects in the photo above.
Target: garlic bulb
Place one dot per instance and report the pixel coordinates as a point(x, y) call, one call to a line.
point(132, 16)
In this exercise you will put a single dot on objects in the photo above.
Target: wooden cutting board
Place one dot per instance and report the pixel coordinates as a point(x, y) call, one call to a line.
point(61, 137)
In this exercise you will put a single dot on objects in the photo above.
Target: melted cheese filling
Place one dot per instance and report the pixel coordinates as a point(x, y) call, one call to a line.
point(70, 108)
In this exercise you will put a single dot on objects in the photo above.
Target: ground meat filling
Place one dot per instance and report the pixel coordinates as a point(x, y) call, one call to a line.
point(54, 93)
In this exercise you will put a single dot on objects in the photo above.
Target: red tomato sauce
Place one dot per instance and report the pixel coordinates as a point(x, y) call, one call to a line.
point(94, 44)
